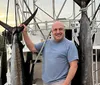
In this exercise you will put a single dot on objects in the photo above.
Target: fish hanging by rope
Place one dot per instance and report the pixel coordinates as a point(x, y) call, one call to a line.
point(19, 76)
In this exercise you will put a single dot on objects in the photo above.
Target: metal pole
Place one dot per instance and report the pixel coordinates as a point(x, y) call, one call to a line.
point(34, 19)
point(15, 12)
point(0, 67)
point(34, 10)
point(95, 14)
point(53, 4)
point(96, 69)
point(22, 10)
point(73, 21)
point(61, 9)
point(45, 12)
point(92, 56)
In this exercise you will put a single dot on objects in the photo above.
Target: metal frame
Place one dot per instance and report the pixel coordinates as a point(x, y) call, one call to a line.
point(24, 12)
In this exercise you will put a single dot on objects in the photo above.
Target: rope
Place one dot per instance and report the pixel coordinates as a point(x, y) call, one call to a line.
point(83, 9)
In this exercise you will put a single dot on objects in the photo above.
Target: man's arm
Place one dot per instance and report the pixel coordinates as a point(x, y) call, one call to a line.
point(27, 40)
point(71, 73)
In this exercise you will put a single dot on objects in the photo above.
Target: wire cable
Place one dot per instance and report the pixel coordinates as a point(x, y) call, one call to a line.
point(34, 19)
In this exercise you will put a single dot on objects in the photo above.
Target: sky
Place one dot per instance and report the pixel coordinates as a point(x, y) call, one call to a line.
point(3, 9)
point(46, 5)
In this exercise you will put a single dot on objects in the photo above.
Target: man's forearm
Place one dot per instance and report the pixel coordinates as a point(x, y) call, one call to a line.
point(71, 73)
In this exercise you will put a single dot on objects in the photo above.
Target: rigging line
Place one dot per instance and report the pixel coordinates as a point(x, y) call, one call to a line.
point(18, 15)
point(90, 4)
point(45, 12)
point(34, 8)
point(22, 13)
point(98, 25)
point(20, 3)
point(18, 9)
point(45, 39)
point(41, 48)
point(5, 34)
point(61, 9)
point(77, 15)
point(69, 17)
point(21, 10)
point(6, 19)
point(97, 70)
point(7, 11)
point(80, 12)
point(40, 31)
point(44, 42)
point(34, 19)
point(15, 14)
point(95, 14)
point(98, 22)
point(38, 19)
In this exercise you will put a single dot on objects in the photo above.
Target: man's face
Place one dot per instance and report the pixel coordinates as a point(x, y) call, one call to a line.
point(58, 31)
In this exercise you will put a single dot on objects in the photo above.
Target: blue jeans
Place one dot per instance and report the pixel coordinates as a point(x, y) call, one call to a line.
point(60, 82)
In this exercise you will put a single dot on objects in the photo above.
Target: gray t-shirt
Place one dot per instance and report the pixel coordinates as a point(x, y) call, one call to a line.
point(56, 58)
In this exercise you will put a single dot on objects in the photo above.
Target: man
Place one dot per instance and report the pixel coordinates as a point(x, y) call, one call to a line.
point(60, 56)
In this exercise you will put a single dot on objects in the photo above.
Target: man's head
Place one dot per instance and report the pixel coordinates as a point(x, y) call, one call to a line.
point(58, 31)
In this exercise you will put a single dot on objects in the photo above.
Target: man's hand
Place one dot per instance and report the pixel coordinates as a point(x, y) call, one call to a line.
point(25, 28)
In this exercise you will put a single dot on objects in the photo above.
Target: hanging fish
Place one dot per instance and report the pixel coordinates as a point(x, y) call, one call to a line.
point(19, 75)
point(85, 45)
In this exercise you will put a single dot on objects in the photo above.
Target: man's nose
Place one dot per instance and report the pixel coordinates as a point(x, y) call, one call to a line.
point(58, 31)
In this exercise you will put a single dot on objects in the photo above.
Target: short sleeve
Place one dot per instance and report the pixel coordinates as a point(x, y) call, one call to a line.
point(38, 46)
point(72, 52)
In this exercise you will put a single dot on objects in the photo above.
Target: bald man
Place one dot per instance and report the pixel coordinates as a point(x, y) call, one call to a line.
point(60, 56)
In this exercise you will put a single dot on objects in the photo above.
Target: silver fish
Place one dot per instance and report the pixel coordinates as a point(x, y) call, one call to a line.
point(19, 75)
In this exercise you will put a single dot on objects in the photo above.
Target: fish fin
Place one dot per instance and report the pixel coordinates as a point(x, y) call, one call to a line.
point(6, 26)
point(79, 2)
point(30, 18)
point(27, 21)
